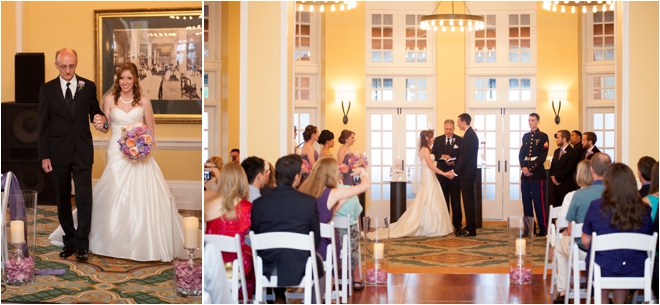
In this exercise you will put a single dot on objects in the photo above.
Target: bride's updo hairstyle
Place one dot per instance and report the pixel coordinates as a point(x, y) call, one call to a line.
point(324, 174)
point(345, 134)
point(233, 184)
point(309, 131)
point(137, 91)
point(326, 135)
point(423, 135)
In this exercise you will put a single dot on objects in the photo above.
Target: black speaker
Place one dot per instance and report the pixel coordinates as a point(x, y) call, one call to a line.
point(19, 125)
point(29, 75)
point(32, 177)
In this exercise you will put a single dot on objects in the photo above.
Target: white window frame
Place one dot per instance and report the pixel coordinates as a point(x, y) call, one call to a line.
point(588, 42)
point(502, 92)
point(399, 92)
point(315, 42)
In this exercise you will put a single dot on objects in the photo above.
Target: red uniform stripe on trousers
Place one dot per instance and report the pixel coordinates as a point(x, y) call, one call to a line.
point(543, 203)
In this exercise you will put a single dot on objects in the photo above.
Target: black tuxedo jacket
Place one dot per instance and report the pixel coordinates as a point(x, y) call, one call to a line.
point(285, 209)
point(579, 149)
point(563, 169)
point(466, 163)
point(584, 153)
point(62, 133)
point(440, 148)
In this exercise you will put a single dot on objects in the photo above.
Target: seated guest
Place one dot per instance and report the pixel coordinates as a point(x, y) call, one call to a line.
point(576, 212)
point(644, 168)
point(214, 166)
point(353, 208)
point(583, 179)
point(652, 198)
point(286, 210)
point(619, 210)
point(229, 213)
point(322, 184)
point(327, 139)
point(257, 174)
point(271, 184)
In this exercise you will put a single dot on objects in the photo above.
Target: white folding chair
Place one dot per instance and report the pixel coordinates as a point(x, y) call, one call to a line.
point(551, 240)
point(5, 201)
point(555, 228)
point(346, 278)
point(576, 265)
point(330, 265)
point(285, 240)
point(617, 241)
point(231, 245)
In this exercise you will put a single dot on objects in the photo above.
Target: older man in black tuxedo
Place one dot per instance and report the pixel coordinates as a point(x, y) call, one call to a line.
point(564, 163)
point(445, 147)
point(66, 106)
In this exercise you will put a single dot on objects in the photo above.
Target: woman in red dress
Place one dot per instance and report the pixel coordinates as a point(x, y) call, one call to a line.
point(229, 213)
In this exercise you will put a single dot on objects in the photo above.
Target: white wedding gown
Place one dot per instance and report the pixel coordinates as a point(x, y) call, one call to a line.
point(427, 215)
point(132, 217)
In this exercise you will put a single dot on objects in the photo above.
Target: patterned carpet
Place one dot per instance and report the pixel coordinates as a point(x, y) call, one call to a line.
point(485, 253)
point(99, 280)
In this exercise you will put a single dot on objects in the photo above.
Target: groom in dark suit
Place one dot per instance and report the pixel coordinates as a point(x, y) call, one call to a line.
point(466, 171)
point(66, 105)
point(445, 147)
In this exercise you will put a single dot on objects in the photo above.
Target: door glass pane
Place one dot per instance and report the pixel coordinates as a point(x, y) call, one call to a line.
point(387, 139)
point(491, 122)
point(609, 121)
point(490, 191)
point(375, 121)
point(387, 157)
point(514, 192)
point(387, 122)
point(375, 174)
point(375, 157)
point(598, 121)
point(375, 139)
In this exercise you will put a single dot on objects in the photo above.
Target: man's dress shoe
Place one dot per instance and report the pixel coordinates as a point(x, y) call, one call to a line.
point(67, 251)
point(82, 255)
point(469, 233)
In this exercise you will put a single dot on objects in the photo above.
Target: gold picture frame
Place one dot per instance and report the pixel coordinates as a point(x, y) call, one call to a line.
point(166, 46)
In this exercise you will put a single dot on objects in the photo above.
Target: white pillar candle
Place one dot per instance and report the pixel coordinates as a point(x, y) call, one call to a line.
point(378, 250)
point(521, 246)
point(190, 232)
point(17, 232)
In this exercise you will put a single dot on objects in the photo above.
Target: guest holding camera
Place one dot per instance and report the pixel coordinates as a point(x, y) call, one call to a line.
point(214, 166)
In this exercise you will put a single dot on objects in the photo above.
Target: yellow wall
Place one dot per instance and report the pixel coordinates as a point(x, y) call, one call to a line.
point(558, 62)
point(230, 56)
point(344, 68)
point(77, 19)
point(643, 120)
point(450, 72)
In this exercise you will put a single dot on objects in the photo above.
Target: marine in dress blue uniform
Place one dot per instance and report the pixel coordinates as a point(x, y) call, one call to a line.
point(533, 152)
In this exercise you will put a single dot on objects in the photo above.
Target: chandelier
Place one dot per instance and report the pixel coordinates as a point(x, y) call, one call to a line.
point(322, 6)
point(452, 20)
point(604, 5)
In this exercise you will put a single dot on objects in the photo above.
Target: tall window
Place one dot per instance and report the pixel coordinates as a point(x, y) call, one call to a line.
point(603, 87)
point(485, 41)
point(519, 38)
point(415, 40)
point(303, 36)
point(485, 89)
point(520, 89)
point(206, 30)
point(303, 88)
point(416, 89)
point(603, 36)
point(382, 89)
point(382, 37)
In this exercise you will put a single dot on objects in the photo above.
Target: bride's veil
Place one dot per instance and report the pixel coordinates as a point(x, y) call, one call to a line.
point(417, 168)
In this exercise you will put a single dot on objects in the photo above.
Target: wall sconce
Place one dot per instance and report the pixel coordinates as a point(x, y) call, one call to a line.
point(557, 95)
point(345, 95)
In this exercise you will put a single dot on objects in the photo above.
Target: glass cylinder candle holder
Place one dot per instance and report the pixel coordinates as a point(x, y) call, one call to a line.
point(376, 249)
point(187, 257)
point(520, 242)
point(22, 239)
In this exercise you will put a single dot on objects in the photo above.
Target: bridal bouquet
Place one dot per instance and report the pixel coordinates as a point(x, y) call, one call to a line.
point(358, 160)
point(135, 141)
point(305, 169)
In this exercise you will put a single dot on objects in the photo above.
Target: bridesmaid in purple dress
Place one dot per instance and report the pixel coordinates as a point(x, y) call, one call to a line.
point(347, 138)
point(308, 152)
point(322, 184)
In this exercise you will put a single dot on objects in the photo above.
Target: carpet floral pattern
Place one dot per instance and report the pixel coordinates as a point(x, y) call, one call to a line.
point(99, 280)
point(489, 249)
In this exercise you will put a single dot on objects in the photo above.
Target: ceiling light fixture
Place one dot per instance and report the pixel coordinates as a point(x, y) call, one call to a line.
point(551, 5)
point(322, 6)
point(453, 20)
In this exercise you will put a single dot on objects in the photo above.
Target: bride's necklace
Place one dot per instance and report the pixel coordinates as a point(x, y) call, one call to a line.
point(122, 100)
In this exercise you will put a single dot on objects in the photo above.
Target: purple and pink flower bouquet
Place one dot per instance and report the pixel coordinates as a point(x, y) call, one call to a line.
point(305, 169)
point(358, 160)
point(343, 170)
point(135, 141)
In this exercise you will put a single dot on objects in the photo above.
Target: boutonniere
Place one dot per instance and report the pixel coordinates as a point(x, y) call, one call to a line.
point(81, 85)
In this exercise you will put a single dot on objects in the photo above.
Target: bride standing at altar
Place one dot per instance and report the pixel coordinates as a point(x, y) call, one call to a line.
point(131, 216)
point(427, 215)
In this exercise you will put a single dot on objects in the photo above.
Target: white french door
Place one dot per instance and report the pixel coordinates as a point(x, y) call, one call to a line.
point(303, 116)
point(392, 133)
point(601, 121)
point(500, 134)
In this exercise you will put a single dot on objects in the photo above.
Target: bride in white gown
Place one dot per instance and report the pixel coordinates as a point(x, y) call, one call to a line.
point(427, 215)
point(131, 213)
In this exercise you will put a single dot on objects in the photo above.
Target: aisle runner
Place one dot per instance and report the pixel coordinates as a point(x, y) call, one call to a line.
point(99, 280)
point(486, 253)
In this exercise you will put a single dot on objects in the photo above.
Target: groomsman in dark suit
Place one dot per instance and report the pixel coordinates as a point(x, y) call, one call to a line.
point(284, 209)
point(564, 163)
point(445, 147)
point(589, 145)
point(466, 171)
point(67, 104)
point(576, 142)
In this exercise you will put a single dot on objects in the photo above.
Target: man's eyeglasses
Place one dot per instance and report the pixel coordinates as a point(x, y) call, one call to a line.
point(63, 67)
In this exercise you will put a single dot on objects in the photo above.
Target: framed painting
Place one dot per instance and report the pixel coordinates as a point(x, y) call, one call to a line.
point(166, 47)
